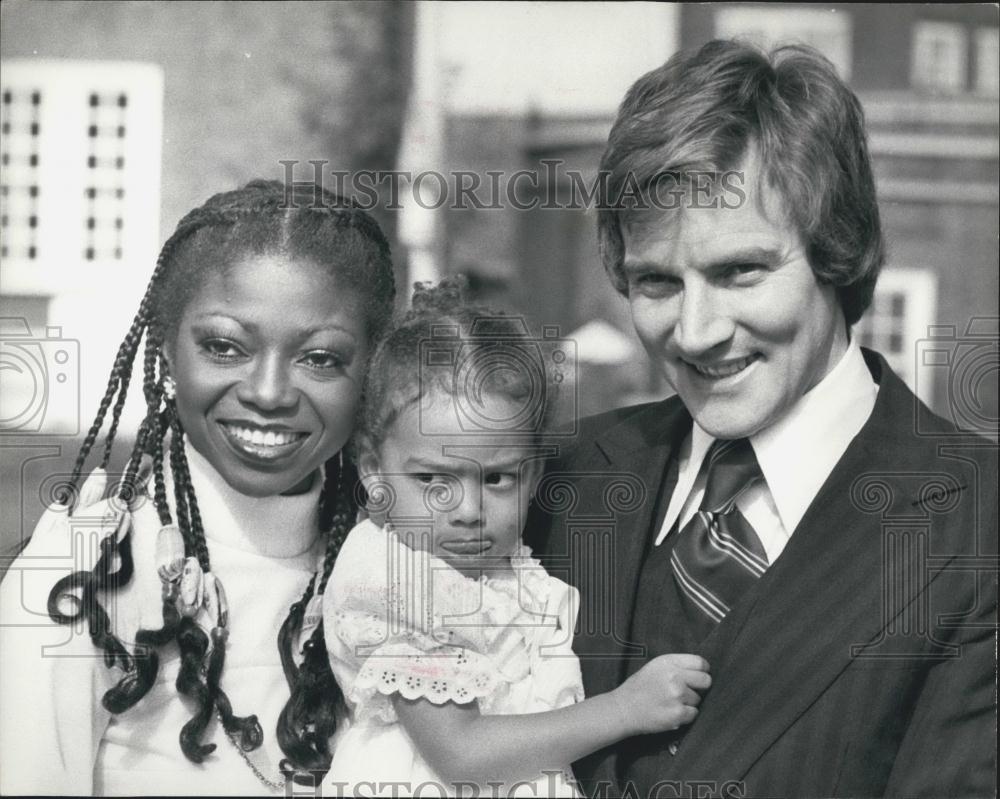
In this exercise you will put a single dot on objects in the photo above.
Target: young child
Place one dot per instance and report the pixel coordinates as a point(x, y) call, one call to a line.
point(451, 643)
point(135, 672)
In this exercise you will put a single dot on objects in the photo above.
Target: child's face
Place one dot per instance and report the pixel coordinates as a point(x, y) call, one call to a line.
point(268, 359)
point(469, 492)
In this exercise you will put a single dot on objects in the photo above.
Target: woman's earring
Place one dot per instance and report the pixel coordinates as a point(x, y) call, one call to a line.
point(169, 387)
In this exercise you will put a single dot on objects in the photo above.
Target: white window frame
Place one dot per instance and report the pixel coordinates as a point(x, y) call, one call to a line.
point(828, 30)
point(90, 301)
point(62, 174)
point(939, 59)
point(918, 287)
point(988, 61)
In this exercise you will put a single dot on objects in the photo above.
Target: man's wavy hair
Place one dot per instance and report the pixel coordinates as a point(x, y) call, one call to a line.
point(704, 111)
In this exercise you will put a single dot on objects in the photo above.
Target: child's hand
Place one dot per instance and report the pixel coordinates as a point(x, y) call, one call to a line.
point(663, 694)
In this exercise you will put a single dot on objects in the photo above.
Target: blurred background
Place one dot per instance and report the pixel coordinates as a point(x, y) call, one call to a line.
point(119, 117)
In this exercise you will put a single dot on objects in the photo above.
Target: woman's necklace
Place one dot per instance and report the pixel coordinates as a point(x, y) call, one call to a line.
point(274, 786)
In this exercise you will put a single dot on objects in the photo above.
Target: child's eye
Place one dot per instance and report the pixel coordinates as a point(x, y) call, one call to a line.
point(323, 359)
point(500, 479)
point(222, 349)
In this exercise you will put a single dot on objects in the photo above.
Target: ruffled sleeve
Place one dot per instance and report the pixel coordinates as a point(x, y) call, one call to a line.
point(401, 621)
point(547, 609)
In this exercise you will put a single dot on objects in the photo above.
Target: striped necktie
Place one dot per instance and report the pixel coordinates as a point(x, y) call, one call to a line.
point(718, 556)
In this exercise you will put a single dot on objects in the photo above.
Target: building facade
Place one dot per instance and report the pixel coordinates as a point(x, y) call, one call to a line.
point(927, 76)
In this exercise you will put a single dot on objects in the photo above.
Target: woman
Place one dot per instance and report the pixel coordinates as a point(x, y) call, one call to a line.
point(126, 676)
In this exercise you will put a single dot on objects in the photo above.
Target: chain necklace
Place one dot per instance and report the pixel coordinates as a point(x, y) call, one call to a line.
point(277, 787)
point(274, 786)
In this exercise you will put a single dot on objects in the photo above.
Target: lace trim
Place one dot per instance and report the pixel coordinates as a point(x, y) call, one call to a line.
point(451, 674)
point(473, 640)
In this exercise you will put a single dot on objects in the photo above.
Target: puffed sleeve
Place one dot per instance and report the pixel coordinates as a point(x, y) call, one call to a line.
point(51, 676)
point(401, 621)
point(554, 666)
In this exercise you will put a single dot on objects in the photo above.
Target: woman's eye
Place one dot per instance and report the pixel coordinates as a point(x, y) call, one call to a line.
point(221, 349)
point(499, 479)
point(323, 359)
point(424, 477)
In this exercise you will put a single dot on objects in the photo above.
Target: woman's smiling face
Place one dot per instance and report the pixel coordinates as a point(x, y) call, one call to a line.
point(269, 358)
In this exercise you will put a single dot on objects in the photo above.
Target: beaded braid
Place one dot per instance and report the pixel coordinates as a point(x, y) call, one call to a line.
point(137, 679)
point(309, 717)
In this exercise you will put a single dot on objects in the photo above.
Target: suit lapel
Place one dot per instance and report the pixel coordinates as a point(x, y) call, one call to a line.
point(781, 647)
point(641, 446)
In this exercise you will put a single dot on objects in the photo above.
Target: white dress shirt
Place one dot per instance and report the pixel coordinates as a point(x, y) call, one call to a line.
point(796, 454)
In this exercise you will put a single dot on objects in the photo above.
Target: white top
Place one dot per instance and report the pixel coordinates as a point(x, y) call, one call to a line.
point(55, 736)
point(796, 454)
point(399, 620)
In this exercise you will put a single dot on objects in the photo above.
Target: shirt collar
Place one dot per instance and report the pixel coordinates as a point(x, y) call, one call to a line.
point(798, 452)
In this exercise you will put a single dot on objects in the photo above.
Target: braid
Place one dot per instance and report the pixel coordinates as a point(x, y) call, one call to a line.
point(125, 377)
point(193, 644)
point(146, 662)
point(228, 227)
point(114, 567)
point(121, 371)
point(344, 512)
point(157, 428)
point(122, 363)
point(309, 719)
point(86, 606)
point(249, 729)
point(180, 490)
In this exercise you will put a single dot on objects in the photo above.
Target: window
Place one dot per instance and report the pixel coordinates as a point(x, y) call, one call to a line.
point(105, 190)
point(988, 61)
point(828, 30)
point(19, 162)
point(79, 228)
point(939, 56)
point(901, 311)
point(80, 173)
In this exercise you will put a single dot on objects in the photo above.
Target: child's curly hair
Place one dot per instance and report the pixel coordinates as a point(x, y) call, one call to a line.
point(469, 352)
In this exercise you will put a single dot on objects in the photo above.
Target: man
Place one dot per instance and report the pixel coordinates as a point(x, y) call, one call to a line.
point(794, 514)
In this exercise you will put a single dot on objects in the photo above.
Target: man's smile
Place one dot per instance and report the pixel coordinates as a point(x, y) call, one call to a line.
point(720, 370)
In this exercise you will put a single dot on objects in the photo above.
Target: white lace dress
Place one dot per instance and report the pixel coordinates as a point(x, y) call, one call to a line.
point(399, 620)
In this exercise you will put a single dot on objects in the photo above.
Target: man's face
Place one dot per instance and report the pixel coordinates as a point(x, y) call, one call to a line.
point(725, 301)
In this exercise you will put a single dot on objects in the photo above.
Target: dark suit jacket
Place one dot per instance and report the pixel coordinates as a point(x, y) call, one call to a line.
point(860, 664)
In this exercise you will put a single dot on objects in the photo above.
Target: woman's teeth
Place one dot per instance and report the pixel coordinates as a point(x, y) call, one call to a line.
point(264, 438)
point(724, 370)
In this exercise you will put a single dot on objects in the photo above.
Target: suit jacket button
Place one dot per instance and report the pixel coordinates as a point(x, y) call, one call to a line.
point(673, 747)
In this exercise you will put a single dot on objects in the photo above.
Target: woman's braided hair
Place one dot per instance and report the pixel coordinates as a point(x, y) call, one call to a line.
point(262, 218)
